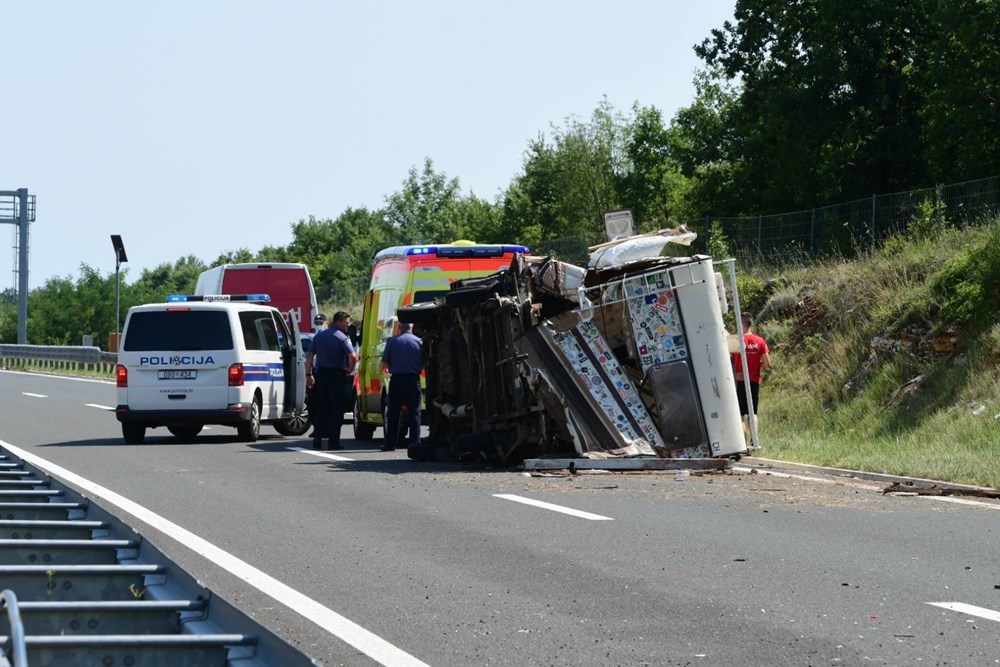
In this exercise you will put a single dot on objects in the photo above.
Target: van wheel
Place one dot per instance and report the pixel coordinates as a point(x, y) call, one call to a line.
point(363, 431)
point(185, 431)
point(295, 423)
point(134, 434)
point(249, 431)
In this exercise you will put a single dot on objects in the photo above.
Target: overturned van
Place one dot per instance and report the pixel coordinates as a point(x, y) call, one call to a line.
point(628, 358)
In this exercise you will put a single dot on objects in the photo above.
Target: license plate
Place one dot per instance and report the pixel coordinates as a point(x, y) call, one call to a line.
point(177, 375)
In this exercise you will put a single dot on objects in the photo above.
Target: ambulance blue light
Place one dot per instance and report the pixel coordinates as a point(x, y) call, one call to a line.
point(423, 250)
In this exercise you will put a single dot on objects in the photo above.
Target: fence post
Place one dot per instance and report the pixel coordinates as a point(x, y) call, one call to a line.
point(939, 206)
point(812, 234)
point(873, 228)
point(760, 247)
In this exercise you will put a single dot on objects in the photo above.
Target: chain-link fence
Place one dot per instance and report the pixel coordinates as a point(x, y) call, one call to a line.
point(837, 230)
point(845, 228)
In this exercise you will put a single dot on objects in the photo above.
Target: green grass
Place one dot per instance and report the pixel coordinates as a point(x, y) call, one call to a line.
point(847, 354)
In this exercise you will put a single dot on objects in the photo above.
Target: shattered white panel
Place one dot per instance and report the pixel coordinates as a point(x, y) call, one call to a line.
point(636, 248)
point(587, 371)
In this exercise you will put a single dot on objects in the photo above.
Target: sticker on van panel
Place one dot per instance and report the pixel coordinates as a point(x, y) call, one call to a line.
point(262, 372)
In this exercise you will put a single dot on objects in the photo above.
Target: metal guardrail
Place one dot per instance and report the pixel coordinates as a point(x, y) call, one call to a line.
point(18, 649)
point(104, 604)
point(58, 357)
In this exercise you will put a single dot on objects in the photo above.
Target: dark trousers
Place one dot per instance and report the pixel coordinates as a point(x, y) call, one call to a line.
point(329, 402)
point(404, 389)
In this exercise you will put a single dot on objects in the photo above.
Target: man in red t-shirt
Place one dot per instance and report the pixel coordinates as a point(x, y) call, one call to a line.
point(758, 358)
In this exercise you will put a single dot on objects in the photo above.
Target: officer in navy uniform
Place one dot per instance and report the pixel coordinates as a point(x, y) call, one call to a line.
point(329, 364)
point(403, 359)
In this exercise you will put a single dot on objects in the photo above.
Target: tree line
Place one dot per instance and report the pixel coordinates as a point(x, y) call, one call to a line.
point(798, 104)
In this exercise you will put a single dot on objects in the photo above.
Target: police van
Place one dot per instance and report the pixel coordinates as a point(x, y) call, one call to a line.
point(209, 359)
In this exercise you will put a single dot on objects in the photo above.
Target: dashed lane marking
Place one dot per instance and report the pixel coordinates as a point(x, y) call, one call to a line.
point(99, 407)
point(28, 393)
point(554, 508)
point(322, 455)
point(972, 610)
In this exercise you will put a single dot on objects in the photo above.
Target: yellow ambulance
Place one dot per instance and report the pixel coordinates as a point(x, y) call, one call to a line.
point(403, 276)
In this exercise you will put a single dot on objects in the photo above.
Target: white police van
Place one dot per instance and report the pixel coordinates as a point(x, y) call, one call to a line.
point(211, 359)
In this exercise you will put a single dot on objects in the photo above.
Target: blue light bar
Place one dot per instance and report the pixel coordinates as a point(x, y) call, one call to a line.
point(422, 250)
point(184, 298)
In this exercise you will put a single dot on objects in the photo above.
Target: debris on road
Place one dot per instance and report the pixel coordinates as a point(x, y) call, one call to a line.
point(935, 490)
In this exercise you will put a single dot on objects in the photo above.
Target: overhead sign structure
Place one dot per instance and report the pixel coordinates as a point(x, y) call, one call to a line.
point(18, 207)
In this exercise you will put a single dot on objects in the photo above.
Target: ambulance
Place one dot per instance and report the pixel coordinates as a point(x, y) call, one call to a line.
point(403, 276)
point(225, 360)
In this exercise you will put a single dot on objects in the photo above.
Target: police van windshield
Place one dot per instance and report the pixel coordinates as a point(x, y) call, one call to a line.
point(188, 330)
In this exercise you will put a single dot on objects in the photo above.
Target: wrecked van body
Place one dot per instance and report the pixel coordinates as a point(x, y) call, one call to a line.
point(628, 358)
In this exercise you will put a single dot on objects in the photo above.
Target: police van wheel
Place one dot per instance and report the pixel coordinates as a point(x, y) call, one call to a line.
point(295, 423)
point(185, 431)
point(134, 434)
point(363, 431)
point(249, 431)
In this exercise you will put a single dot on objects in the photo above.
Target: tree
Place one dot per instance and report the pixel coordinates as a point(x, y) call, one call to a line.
point(828, 102)
point(700, 141)
point(339, 252)
point(426, 210)
point(963, 91)
point(568, 184)
point(62, 312)
point(652, 185)
point(157, 283)
point(238, 256)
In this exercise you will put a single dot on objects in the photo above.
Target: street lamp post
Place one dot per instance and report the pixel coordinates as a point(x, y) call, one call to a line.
point(120, 257)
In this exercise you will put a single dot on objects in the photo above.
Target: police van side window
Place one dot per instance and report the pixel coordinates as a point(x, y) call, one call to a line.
point(284, 335)
point(258, 331)
point(178, 330)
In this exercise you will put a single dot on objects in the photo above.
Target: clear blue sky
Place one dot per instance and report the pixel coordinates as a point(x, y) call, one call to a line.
point(200, 127)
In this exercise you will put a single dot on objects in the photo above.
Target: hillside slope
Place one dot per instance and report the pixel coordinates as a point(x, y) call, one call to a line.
point(887, 362)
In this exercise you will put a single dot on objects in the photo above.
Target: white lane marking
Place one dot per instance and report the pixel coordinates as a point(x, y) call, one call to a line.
point(62, 377)
point(343, 628)
point(554, 508)
point(804, 478)
point(322, 455)
point(943, 499)
point(962, 501)
point(99, 407)
point(972, 610)
point(28, 393)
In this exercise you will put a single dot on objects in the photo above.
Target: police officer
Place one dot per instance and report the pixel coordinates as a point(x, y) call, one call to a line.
point(403, 360)
point(319, 324)
point(329, 364)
